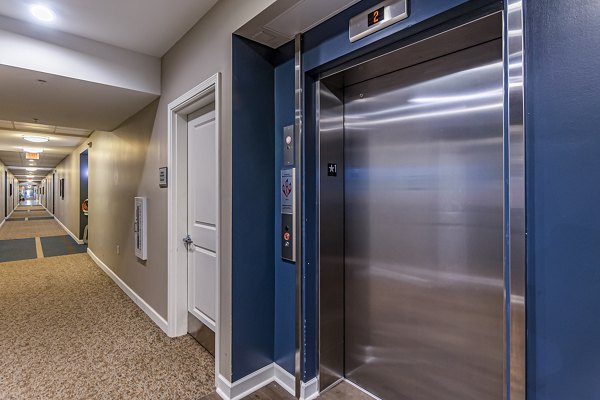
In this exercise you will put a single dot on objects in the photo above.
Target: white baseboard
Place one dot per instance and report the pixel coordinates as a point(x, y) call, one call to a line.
point(245, 386)
point(47, 210)
point(310, 389)
point(3, 221)
point(75, 238)
point(256, 380)
point(151, 312)
point(285, 379)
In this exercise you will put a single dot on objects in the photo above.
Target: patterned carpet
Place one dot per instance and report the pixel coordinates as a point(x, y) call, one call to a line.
point(28, 229)
point(68, 332)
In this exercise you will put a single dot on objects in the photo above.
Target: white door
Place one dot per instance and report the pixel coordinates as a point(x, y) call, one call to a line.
point(202, 215)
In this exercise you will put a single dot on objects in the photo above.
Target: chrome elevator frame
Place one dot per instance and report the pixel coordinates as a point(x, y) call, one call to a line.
point(514, 203)
point(515, 121)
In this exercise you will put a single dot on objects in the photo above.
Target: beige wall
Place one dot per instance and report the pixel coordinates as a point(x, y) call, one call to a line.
point(2, 197)
point(48, 196)
point(12, 201)
point(124, 164)
point(116, 176)
point(67, 210)
point(202, 52)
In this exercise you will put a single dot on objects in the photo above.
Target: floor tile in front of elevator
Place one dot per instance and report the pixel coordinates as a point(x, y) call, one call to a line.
point(53, 246)
point(17, 249)
point(345, 390)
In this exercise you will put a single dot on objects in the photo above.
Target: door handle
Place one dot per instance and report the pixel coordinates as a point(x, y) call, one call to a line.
point(188, 241)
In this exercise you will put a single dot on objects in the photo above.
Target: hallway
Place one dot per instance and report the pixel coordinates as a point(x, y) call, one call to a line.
point(68, 332)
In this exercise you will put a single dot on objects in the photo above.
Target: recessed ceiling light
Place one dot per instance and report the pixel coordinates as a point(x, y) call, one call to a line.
point(32, 150)
point(36, 139)
point(31, 169)
point(42, 12)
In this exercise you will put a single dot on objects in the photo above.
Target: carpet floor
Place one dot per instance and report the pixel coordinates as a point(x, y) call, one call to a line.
point(68, 332)
point(29, 229)
point(27, 214)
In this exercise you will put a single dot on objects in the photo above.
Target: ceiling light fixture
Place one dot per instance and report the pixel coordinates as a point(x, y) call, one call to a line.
point(42, 12)
point(31, 169)
point(32, 150)
point(36, 139)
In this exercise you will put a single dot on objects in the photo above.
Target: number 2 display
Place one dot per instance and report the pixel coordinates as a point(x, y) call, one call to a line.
point(376, 16)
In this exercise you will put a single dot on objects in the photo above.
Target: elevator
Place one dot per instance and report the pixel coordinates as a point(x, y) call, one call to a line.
point(412, 218)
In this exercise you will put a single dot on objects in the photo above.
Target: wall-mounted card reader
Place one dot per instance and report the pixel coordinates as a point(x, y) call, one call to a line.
point(288, 217)
point(288, 146)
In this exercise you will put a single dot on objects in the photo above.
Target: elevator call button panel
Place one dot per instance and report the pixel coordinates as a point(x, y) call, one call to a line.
point(288, 210)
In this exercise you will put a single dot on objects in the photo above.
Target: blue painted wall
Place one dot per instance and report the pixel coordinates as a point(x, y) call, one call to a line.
point(285, 272)
point(562, 92)
point(264, 285)
point(253, 150)
point(329, 41)
point(563, 159)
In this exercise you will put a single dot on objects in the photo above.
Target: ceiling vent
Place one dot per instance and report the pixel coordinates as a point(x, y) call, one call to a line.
point(280, 22)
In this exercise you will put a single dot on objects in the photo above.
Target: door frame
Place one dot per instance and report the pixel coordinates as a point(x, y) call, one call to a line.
point(53, 192)
point(5, 194)
point(515, 246)
point(177, 300)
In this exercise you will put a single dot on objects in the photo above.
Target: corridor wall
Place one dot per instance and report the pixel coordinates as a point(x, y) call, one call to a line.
point(66, 208)
point(116, 166)
point(124, 163)
point(2, 193)
point(9, 202)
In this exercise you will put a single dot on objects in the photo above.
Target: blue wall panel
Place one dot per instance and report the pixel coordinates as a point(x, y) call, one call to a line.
point(563, 196)
point(253, 283)
point(285, 272)
point(330, 40)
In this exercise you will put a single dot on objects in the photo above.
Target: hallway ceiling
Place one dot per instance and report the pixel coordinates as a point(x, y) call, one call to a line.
point(146, 26)
point(62, 141)
point(62, 101)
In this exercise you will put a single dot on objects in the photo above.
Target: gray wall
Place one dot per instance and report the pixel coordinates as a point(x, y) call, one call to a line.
point(202, 52)
point(124, 164)
point(2, 197)
point(116, 176)
point(67, 210)
point(11, 200)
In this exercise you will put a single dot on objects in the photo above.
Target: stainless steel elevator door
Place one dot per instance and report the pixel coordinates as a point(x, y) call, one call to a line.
point(423, 158)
